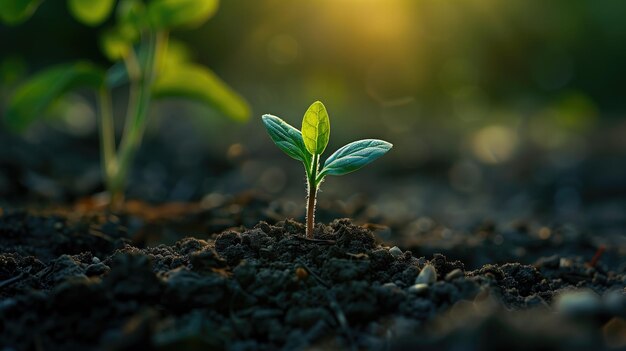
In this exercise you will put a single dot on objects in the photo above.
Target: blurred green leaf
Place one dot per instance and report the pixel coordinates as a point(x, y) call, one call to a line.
point(200, 83)
point(17, 11)
point(91, 12)
point(131, 11)
point(176, 13)
point(117, 42)
point(32, 98)
point(316, 128)
point(177, 52)
point(287, 138)
point(355, 155)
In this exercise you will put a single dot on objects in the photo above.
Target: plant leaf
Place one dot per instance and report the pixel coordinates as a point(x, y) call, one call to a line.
point(117, 42)
point(91, 12)
point(14, 12)
point(201, 84)
point(353, 156)
point(32, 98)
point(177, 52)
point(287, 138)
point(316, 128)
point(131, 12)
point(176, 13)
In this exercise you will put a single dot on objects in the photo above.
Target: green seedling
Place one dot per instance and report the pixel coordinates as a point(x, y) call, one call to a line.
point(308, 145)
point(144, 58)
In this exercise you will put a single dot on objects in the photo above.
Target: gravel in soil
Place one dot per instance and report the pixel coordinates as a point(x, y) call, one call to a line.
point(269, 288)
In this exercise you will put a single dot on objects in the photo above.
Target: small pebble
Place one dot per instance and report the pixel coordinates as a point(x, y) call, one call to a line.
point(395, 252)
point(418, 288)
point(390, 286)
point(565, 262)
point(579, 302)
point(95, 260)
point(454, 274)
point(97, 269)
point(428, 275)
point(548, 262)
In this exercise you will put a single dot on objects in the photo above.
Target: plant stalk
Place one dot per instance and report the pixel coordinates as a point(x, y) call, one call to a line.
point(140, 93)
point(311, 195)
point(107, 136)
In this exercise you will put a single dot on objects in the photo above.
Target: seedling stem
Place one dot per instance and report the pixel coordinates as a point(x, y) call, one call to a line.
point(312, 194)
point(116, 165)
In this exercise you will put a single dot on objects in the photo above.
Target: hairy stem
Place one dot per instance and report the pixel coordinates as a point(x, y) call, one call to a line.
point(311, 194)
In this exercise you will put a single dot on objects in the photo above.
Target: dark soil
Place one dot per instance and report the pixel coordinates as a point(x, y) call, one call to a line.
point(72, 285)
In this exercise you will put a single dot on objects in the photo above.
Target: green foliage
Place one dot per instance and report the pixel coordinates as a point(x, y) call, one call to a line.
point(355, 155)
point(180, 13)
point(91, 12)
point(201, 84)
point(174, 76)
point(316, 128)
point(143, 58)
point(131, 11)
point(308, 145)
point(32, 98)
point(14, 12)
point(117, 42)
point(287, 138)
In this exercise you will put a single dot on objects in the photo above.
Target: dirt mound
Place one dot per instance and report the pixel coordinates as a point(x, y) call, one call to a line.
point(270, 288)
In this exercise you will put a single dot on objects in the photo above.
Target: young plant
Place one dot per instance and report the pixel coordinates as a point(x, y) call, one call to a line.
point(144, 58)
point(308, 145)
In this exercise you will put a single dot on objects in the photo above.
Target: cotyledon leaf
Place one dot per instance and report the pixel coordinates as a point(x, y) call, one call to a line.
point(316, 128)
point(353, 156)
point(287, 138)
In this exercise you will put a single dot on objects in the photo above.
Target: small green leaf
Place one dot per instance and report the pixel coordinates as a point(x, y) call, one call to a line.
point(131, 12)
point(14, 12)
point(316, 128)
point(176, 53)
point(117, 42)
point(176, 13)
point(353, 156)
point(200, 83)
point(287, 138)
point(91, 12)
point(32, 98)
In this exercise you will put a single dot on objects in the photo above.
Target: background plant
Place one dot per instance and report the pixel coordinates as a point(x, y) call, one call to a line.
point(143, 57)
point(308, 145)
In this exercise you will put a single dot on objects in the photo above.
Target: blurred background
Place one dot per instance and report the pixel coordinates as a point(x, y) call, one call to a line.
point(498, 111)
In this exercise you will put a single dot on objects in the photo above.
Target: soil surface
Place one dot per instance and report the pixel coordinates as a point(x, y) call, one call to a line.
point(88, 284)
